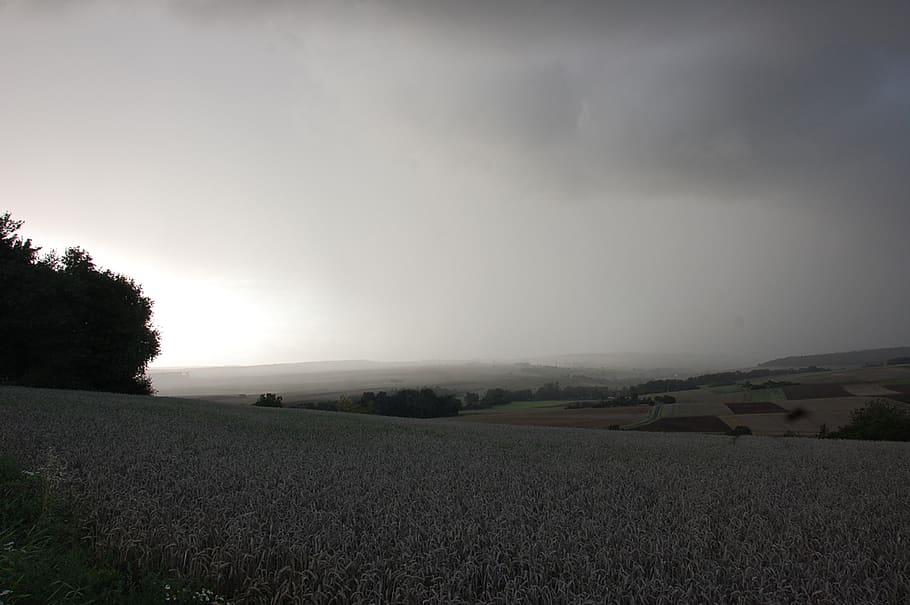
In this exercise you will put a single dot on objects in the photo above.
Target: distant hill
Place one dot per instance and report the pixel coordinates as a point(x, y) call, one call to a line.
point(839, 360)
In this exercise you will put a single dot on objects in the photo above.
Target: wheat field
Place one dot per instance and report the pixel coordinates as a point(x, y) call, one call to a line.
point(298, 506)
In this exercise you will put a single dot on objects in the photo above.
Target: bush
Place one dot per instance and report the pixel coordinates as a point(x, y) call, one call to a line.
point(880, 420)
point(269, 400)
point(740, 430)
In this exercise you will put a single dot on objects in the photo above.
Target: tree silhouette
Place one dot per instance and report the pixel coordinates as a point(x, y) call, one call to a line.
point(64, 323)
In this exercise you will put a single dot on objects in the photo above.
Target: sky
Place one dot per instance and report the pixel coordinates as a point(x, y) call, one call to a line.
point(501, 179)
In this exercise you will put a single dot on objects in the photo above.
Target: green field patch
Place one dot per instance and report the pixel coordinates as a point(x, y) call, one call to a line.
point(726, 388)
point(527, 405)
point(776, 394)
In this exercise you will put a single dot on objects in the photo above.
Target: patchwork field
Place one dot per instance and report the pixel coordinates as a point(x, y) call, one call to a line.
point(687, 424)
point(595, 418)
point(758, 395)
point(760, 407)
point(814, 391)
point(677, 410)
point(866, 389)
point(881, 375)
point(519, 405)
point(296, 506)
point(767, 411)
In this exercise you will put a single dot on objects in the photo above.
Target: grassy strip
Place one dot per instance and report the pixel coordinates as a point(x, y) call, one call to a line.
point(44, 558)
point(526, 405)
point(725, 389)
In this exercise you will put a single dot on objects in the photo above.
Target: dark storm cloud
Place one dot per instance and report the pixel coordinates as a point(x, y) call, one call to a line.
point(796, 102)
point(671, 166)
point(799, 103)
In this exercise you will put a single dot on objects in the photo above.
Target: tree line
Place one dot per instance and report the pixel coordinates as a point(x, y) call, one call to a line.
point(409, 403)
point(632, 395)
point(65, 323)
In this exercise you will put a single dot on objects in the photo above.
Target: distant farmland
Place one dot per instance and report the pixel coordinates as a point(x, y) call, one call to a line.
point(294, 506)
point(824, 399)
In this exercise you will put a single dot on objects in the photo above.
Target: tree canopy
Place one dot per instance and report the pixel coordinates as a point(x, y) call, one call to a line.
point(65, 323)
point(879, 420)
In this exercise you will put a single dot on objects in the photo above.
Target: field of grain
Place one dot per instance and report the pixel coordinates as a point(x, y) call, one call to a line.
point(687, 424)
point(709, 396)
point(591, 418)
point(814, 391)
point(760, 395)
point(879, 375)
point(758, 407)
point(294, 506)
point(678, 410)
point(521, 405)
point(865, 389)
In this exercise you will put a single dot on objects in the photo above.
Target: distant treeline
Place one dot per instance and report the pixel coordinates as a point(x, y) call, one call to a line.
point(715, 379)
point(409, 403)
point(552, 391)
point(849, 358)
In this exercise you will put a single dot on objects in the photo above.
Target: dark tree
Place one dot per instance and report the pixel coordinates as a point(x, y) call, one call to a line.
point(549, 390)
point(740, 430)
point(66, 324)
point(880, 420)
point(269, 400)
point(471, 400)
point(423, 403)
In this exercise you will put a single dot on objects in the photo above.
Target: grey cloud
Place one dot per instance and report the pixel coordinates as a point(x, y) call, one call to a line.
point(735, 159)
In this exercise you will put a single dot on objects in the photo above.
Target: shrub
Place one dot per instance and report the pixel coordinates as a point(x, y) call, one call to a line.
point(740, 430)
point(269, 400)
point(880, 420)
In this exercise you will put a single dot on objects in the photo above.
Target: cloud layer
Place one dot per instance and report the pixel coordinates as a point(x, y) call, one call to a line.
point(470, 179)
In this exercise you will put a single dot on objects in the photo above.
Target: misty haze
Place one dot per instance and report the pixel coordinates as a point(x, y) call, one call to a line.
point(399, 301)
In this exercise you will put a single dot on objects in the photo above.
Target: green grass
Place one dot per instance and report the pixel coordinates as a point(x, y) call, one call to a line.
point(776, 394)
point(528, 405)
point(516, 405)
point(44, 559)
point(727, 388)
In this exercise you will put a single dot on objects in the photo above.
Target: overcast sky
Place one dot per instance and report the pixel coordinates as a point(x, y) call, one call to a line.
point(421, 179)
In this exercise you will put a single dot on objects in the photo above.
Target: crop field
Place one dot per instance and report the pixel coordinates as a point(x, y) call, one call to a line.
point(758, 407)
point(880, 375)
point(297, 506)
point(708, 396)
point(687, 424)
point(758, 395)
point(676, 410)
point(591, 418)
point(869, 390)
point(726, 388)
point(526, 405)
point(815, 391)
